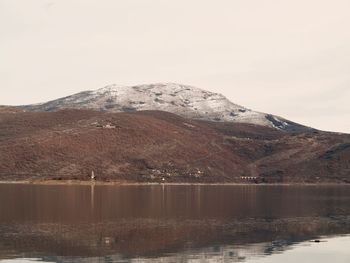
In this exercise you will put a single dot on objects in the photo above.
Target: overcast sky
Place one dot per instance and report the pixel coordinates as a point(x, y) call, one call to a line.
point(286, 57)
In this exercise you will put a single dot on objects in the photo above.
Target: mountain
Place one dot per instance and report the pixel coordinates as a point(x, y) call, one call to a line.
point(164, 132)
point(157, 146)
point(186, 101)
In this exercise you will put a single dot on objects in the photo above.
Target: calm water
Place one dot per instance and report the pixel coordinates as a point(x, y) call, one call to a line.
point(66, 223)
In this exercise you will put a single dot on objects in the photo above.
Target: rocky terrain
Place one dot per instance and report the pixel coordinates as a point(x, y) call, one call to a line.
point(158, 146)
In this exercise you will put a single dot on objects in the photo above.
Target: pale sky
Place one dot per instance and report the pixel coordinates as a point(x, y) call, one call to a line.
point(286, 57)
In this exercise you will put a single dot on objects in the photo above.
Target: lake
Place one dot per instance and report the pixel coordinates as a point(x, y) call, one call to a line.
point(174, 223)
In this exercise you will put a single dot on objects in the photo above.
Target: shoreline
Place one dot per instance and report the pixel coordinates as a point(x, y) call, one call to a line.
point(126, 183)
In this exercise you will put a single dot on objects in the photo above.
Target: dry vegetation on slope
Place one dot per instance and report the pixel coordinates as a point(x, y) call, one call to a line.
point(154, 146)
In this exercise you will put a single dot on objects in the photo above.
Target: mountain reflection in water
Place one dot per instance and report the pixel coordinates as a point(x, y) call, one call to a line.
point(88, 223)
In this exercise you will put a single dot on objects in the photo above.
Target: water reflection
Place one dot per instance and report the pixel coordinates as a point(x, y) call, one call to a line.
point(97, 223)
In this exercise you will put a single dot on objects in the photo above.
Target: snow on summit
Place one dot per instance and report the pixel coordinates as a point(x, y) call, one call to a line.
point(186, 101)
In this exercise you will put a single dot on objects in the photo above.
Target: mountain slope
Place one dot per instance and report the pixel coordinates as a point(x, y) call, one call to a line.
point(148, 146)
point(186, 101)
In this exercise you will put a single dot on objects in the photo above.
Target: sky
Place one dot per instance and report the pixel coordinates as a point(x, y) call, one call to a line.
point(288, 58)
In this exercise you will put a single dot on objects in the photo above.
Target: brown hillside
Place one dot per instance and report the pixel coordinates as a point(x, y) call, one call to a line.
point(158, 146)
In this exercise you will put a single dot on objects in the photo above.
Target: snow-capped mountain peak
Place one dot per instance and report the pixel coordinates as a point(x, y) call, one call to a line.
point(187, 101)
